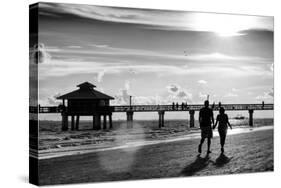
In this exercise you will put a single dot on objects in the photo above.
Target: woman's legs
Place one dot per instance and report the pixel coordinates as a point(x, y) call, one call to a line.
point(222, 139)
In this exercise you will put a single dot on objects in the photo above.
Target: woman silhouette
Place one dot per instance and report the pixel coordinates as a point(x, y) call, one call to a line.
point(222, 119)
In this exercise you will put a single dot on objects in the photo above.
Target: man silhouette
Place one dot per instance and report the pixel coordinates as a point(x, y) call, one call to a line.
point(206, 119)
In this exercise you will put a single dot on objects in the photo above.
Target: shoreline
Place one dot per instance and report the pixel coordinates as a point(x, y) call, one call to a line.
point(69, 151)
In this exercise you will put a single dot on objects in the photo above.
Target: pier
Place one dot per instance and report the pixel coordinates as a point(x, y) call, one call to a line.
point(87, 101)
point(161, 110)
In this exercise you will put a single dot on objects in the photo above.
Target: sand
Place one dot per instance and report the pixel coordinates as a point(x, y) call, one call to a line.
point(244, 153)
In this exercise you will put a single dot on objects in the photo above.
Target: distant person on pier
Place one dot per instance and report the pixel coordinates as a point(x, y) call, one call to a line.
point(177, 106)
point(173, 106)
point(222, 119)
point(206, 119)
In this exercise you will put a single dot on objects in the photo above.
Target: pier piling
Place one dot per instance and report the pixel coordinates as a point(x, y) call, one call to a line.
point(98, 122)
point(64, 122)
point(94, 122)
point(130, 115)
point(191, 118)
point(110, 121)
point(104, 121)
point(161, 118)
point(77, 122)
point(251, 112)
point(72, 123)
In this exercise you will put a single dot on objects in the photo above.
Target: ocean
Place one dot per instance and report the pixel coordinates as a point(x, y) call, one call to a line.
point(51, 136)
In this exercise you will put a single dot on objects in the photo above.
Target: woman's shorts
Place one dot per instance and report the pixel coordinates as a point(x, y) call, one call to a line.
point(222, 131)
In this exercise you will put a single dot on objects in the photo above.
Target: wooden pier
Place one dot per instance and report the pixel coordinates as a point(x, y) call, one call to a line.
point(87, 101)
point(160, 109)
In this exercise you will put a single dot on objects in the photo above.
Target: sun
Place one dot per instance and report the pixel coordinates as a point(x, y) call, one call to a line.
point(223, 25)
point(224, 32)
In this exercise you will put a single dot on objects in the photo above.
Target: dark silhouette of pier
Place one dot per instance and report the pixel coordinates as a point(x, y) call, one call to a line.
point(161, 109)
point(86, 101)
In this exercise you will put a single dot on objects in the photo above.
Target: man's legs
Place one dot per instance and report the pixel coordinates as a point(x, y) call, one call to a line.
point(209, 145)
point(200, 145)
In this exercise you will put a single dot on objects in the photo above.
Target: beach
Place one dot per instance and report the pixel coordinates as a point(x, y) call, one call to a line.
point(245, 152)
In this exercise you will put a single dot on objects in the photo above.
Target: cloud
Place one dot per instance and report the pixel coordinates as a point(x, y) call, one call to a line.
point(230, 94)
point(127, 85)
point(53, 100)
point(202, 96)
point(106, 51)
point(99, 45)
point(250, 93)
point(147, 100)
point(176, 94)
point(39, 54)
point(61, 68)
point(266, 96)
point(67, 61)
point(184, 95)
point(132, 71)
point(179, 97)
point(202, 82)
point(163, 19)
point(271, 93)
point(100, 76)
point(172, 88)
point(74, 46)
point(121, 98)
point(234, 90)
point(123, 95)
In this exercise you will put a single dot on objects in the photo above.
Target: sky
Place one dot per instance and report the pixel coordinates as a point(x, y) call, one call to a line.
point(156, 56)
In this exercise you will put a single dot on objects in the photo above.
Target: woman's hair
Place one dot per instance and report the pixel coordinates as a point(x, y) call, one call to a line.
point(222, 110)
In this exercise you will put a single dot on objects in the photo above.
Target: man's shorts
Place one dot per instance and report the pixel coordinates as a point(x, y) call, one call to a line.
point(206, 132)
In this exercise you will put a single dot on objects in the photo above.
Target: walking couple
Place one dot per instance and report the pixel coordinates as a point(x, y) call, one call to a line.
point(206, 120)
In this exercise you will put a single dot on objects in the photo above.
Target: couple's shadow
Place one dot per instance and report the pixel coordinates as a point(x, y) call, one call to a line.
point(202, 162)
point(222, 160)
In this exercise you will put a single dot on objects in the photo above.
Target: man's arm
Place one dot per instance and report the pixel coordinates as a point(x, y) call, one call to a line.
point(200, 118)
point(213, 121)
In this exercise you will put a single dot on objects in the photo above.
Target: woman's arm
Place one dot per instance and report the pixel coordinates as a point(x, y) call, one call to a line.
point(228, 123)
point(216, 122)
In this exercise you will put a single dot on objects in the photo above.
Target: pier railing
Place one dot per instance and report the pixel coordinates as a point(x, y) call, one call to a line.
point(155, 108)
point(229, 107)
